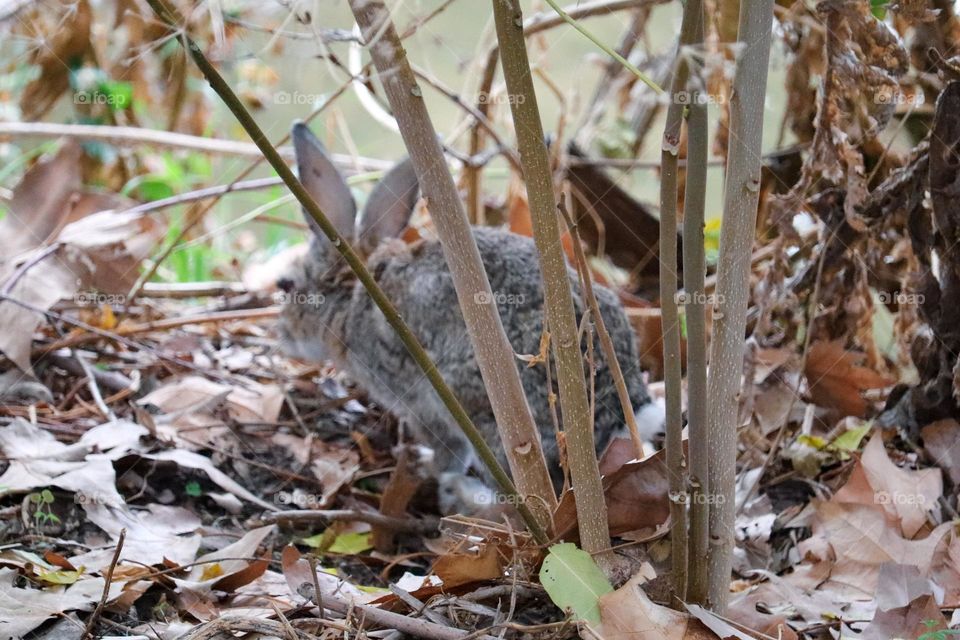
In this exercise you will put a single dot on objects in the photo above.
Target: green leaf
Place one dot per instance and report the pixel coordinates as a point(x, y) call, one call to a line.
point(879, 8)
point(850, 440)
point(46, 496)
point(61, 576)
point(815, 442)
point(193, 489)
point(351, 543)
point(574, 581)
point(118, 95)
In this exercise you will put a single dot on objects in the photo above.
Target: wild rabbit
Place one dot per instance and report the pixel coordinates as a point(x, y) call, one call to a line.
point(327, 315)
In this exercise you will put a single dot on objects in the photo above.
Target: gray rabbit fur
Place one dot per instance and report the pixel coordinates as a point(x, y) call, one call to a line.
point(327, 315)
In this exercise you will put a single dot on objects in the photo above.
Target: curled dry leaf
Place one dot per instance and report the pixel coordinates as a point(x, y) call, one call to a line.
point(636, 492)
point(907, 496)
point(459, 568)
point(837, 380)
point(628, 614)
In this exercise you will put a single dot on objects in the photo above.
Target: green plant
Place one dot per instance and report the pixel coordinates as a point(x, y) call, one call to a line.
point(193, 489)
point(43, 511)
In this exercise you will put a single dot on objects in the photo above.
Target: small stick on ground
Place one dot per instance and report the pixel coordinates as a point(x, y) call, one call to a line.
point(107, 579)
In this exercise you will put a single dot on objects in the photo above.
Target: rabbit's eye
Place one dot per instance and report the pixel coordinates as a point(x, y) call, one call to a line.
point(285, 284)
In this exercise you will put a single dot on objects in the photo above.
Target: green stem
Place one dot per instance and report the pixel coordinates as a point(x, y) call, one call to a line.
point(603, 47)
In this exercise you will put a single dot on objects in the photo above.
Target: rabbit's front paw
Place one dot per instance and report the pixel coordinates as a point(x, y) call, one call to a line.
point(463, 494)
point(651, 423)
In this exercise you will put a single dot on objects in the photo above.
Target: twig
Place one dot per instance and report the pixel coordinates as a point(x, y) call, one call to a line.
point(390, 620)
point(418, 607)
point(606, 343)
point(181, 290)
point(34, 260)
point(669, 306)
point(629, 66)
point(168, 139)
point(226, 627)
point(531, 26)
point(94, 389)
point(201, 194)
point(161, 325)
point(92, 622)
point(110, 336)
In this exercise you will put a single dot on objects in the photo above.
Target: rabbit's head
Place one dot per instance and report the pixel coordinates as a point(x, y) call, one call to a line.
point(318, 289)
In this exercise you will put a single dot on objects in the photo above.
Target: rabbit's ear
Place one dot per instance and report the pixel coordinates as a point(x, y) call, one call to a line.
point(323, 181)
point(390, 205)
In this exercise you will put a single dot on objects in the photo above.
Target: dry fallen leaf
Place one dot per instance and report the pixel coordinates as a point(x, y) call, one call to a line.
point(908, 496)
point(628, 614)
point(457, 568)
point(636, 492)
point(837, 379)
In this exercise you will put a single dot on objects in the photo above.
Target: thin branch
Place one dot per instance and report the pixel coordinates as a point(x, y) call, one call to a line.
point(531, 26)
point(107, 580)
point(135, 135)
point(606, 343)
point(629, 66)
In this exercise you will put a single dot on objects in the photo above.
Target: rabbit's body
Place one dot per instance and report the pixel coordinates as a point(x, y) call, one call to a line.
point(328, 315)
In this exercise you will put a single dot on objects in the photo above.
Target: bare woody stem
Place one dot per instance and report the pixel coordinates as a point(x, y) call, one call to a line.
point(694, 270)
point(740, 198)
point(670, 315)
point(495, 356)
point(558, 298)
point(220, 86)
